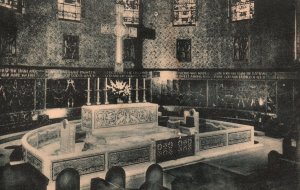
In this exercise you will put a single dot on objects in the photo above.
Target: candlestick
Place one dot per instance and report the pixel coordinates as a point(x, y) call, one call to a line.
point(137, 90)
point(144, 90)
point(98, 91)
point(88, 92)
point(106, 98)
point(129, 96)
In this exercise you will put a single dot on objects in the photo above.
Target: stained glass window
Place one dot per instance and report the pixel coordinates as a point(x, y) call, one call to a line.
point(184, 13)
point(242, 10)
point(69, 9)
point(131, 12)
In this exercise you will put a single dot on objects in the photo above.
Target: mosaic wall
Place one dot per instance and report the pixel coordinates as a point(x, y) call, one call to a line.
point(212, 39)
point(84, 165)
point(129, 157)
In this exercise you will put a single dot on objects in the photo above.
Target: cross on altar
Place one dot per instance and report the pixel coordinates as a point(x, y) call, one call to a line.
point(120, 31)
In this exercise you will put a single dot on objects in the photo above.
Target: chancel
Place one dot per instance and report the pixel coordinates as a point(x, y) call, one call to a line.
point(137, 94)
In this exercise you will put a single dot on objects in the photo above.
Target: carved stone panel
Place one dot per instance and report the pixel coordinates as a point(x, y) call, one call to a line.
point(34, 161)
point(214, 141)
point(86, 118)
point(239, 137)
point(175, 148)
point(129, 157)
point(125, 116)
point(84, 165)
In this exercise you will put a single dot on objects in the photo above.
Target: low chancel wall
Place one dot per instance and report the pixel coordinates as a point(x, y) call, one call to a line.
point(167, 151)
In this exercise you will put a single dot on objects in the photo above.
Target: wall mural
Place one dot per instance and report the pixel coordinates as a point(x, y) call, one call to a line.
point(182, 92)
point(248, 95)
point(16, 95)
point(66, 93)
point(229, 94)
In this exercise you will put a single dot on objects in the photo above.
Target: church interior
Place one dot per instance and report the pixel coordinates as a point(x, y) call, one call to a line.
point(149, 94)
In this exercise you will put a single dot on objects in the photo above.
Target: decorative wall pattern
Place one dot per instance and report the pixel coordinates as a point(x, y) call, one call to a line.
point(271, 43)
point(129, 157)
point(84, 165)
point(125, 116)
point(34, 161)
point(174, 148)
point(212, 141)
point(239, 137)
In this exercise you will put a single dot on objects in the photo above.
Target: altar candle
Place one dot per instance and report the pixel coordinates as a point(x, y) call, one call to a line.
point(105, 83)
point(98, 83)
point(144, 83)
point(137, 84)
point(129, 82)
point(88, 84)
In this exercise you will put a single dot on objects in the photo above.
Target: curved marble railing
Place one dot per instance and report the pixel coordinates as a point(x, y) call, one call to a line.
point(161, 149)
